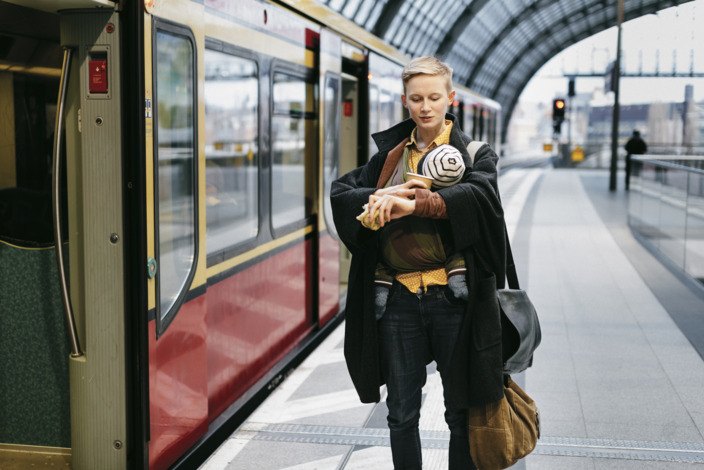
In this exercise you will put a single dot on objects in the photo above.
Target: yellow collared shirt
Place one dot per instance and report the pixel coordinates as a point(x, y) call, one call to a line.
point(422, 279)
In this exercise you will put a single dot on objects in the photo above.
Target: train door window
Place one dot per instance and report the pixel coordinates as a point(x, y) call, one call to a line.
point(374, 125)
point(231, 150)
point(331, 143)
point(293, 135)
point(175, 152)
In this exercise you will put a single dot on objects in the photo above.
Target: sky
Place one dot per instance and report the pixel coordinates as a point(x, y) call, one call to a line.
point(671, 37)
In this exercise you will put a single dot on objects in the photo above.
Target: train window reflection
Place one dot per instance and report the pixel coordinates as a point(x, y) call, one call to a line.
point(331, 144)
point(231, 150)
point(175, 135)
point(291, 127)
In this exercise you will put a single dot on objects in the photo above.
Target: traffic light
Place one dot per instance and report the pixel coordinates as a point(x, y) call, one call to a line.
point(558, 109)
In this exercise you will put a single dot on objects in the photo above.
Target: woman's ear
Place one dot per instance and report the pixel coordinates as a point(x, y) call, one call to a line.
point(403, 100)
point(452, 97)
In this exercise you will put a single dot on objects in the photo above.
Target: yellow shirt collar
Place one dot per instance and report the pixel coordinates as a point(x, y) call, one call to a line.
point(443, 138)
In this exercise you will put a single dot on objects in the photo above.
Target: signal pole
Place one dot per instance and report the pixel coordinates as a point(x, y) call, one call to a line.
point(617, 110)
point(570, 104)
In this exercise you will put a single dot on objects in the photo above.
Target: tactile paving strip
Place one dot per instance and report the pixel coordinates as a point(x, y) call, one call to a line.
point(338, 435)
point(684, 452)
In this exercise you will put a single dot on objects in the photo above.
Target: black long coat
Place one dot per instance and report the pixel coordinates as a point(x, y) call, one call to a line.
point(476, 227)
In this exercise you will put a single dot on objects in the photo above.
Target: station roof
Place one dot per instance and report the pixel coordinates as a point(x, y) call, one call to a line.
point(494, 46)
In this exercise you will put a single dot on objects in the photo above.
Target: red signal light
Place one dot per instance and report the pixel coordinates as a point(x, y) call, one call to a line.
point(558, 109)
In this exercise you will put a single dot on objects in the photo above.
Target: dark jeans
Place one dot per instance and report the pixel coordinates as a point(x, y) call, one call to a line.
point(415, 330)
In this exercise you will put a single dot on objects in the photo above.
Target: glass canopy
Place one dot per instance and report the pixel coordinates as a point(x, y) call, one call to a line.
point(494, 46)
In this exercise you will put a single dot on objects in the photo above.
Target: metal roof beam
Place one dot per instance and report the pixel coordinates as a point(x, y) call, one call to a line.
point(508, 110)
point(387, 15)
point(548, 32)
point(459, 26)
point(515, 22)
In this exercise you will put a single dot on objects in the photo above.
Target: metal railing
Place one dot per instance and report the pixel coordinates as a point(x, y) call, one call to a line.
point(666, 208)
point(598, 152)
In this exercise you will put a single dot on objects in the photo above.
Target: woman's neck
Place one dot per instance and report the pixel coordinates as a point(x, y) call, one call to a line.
point(423, 139)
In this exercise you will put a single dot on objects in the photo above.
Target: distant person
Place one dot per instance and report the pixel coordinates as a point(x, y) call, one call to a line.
point(635, 146)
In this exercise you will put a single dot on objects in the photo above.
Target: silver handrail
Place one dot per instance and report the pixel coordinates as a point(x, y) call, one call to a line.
point(56, 199)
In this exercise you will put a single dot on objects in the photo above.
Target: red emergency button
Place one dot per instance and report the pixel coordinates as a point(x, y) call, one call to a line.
point(98, 76)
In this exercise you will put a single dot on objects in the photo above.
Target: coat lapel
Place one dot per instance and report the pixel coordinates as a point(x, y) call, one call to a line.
point(392, 159)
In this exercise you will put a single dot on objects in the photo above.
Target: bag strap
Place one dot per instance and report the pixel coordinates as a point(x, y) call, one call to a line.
point(511, 274)
point(472, 148)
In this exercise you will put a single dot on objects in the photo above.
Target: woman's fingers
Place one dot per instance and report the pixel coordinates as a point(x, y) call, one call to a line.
point(407, 193)
point(390, 207)
point(404, 188)
point(377, 206)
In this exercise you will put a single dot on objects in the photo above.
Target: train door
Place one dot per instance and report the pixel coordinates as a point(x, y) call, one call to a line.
point(359, 113)
point(177, 335)
point(349, 148)
point(330, 60)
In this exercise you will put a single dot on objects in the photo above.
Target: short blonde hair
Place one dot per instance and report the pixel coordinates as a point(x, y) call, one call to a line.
point(426, 65)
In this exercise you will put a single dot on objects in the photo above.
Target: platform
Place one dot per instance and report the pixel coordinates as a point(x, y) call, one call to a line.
point(618, 383)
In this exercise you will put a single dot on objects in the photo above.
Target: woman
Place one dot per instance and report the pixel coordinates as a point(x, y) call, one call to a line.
point(423, 321)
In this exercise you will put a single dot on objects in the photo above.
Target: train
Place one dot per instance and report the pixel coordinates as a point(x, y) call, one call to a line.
point(167, 249)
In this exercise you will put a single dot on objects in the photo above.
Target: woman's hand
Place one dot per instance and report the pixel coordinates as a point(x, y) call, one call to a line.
point(390, 207)
point(392, 202)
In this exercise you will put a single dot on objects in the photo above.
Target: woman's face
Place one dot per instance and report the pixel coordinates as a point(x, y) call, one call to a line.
point(427, 100)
